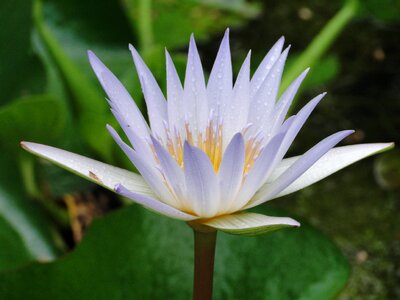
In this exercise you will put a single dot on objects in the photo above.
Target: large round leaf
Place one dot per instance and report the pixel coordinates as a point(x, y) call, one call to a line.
point(134, 254)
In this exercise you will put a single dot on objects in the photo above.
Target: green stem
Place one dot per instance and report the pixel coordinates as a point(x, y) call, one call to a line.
point(139, 15)
point(204, 253)
point(145, 26)
point(321, 43)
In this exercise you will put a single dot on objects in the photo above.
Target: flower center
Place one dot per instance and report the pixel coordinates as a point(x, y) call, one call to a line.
point(210, 141)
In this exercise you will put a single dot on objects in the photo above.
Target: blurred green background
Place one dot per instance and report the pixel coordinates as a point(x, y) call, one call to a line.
point(349, 245)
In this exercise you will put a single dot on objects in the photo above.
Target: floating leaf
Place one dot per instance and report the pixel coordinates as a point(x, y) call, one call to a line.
point(133, 254)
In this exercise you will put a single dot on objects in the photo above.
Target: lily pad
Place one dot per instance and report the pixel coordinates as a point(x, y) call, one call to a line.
point(134, 254)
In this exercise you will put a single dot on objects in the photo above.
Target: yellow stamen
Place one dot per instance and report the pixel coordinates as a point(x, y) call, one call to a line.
point(210, 141)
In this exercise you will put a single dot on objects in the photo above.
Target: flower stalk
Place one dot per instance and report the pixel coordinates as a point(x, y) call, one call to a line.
point(204, 252)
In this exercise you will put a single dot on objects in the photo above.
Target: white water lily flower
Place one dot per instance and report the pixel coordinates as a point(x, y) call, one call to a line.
point(213, 149)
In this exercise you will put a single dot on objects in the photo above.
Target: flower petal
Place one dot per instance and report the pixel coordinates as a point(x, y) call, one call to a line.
point(265, 66)
point(194, 93)
point(146, 168)
point(131, 119)
point(230, 172)
point(250, 224)
point(297, 123)
point(258, 173)
point(154, 204)
point(201, 182)
point(219, 87)
point(172, 172)
point(284, 103)
point(140, 145)
point(299, 167)
point(237, 111)
point(263, 102)
point(333, 161)
point(155, 100)
point(103, 174)
point(175, 104)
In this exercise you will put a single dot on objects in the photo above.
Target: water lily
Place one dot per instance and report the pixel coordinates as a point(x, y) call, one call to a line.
point(212, 150)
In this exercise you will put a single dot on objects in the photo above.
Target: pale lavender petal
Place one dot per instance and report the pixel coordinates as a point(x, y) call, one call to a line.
point(237, 110)
point(120, 100)
point(147, 169)
point(219, 87)
point(284, 103)
point(286, 125)
point(155, 101)
point(175, 101)
point(172, 171)
point(298, 122)
point(194, 93)
point(265, 66)
point(103, 174)
point(263, 102)
point(230, 172)
point(333, 161)
point(201, 182)
point(154, 205)
point(298, 168)
point(140, 145)
point(261, 169)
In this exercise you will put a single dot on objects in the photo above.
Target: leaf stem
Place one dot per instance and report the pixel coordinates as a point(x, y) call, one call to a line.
point(320, 44)
point(145, 25)
point(204, 252)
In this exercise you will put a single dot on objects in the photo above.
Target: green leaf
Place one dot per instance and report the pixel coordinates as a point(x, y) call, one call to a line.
point(31, 118)
point(21, 73)
point(203, 17)
point(134, 254)
point(24, 228)
point(92, 113)
point(13, 252)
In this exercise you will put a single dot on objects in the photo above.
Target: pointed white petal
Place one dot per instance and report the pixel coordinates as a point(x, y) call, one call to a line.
point(230, 172)
point(284, 103)
point(250, 224)
point(131, 118)
point(194, 94)
point(298, 168)
point(263, 102)
point(201, 182)
point(265, 66)
point(155, 101)
point(147, 169)
point(297, 123)
point(172, 172)
point(258, 173)
point(333, 161)
point(219, 87)
point(140, 145)
point(175, 103)
point(103, 174)
point(237, 110)
point(154, 204)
